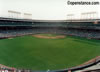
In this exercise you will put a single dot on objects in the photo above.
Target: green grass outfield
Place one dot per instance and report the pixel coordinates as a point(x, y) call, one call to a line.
point(42, 54)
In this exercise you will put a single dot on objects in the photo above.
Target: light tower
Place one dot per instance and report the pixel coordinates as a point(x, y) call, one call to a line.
point(70, 16)
point(14, 14)
point(89, 15)
point(27, 16)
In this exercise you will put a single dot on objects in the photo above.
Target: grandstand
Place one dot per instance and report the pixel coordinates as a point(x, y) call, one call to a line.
point(88, 28)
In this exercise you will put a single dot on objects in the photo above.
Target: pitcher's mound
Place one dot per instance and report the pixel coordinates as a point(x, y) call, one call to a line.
point(49, 36)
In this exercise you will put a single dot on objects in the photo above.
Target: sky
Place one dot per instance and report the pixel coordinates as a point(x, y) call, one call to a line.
point(47, 9)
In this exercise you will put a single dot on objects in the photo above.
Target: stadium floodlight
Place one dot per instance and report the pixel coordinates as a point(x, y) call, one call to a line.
point(14, 14)
point(89, 15)
point(27, 16)
point(85, 15)
point(70, 16)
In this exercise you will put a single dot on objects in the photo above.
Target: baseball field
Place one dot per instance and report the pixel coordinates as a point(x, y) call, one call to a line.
point(43, 54)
